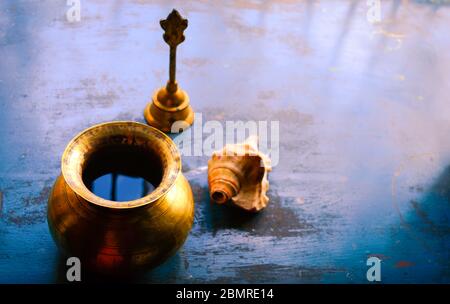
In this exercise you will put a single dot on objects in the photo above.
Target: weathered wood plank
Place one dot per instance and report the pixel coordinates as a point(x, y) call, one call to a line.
point(362, 108)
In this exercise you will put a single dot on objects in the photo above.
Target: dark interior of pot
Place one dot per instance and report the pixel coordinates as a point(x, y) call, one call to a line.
point(117, 162)
point(122, 172)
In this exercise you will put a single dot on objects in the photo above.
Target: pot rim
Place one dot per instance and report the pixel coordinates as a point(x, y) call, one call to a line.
point(71, 158)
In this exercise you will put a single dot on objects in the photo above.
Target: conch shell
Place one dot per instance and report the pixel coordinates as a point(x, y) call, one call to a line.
point(239, 173)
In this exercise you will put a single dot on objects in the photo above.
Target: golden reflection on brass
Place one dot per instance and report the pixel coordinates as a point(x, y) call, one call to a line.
point(171, 104)
point(114, 237)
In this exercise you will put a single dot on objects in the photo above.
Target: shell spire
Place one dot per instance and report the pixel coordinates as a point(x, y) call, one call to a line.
point(239, 173)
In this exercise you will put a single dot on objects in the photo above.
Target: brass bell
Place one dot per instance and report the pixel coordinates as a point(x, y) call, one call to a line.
point(170, 103)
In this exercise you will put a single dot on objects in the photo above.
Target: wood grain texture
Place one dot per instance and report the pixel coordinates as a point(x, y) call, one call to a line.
point(364, 121)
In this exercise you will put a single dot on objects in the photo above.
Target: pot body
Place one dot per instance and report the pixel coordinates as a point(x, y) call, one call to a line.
point(120, 241)
point(120, 238)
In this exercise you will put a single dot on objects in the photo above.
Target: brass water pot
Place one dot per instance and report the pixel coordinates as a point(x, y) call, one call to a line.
point(113, 237)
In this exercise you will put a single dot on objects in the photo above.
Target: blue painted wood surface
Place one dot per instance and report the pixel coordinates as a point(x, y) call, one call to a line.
point(364, 130)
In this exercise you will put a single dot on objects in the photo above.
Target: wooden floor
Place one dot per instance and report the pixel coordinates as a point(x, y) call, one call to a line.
point(364, 120)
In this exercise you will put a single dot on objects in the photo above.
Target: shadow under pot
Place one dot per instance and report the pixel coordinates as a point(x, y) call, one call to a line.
point(88, 220)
